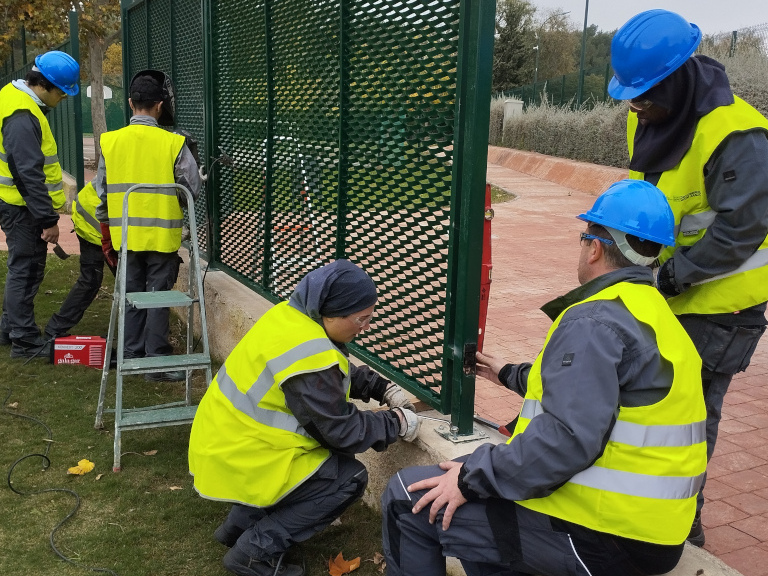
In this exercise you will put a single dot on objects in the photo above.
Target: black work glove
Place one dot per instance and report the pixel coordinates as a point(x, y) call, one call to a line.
point(665, 280)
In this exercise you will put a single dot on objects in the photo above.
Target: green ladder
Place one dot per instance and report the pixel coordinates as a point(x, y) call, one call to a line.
point(172, 413)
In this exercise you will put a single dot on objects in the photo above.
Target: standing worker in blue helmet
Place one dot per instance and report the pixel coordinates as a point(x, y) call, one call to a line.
point(707, 150)
point(31, 191)
point(601, 474)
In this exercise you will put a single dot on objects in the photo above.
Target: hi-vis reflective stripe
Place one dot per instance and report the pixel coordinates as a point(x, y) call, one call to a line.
point(147, 222)
point(637, 434)
point(531, 408)
point(145, 189)
point(692, 224)
point(644, 436)
point(757, 260)
point(6, 181)
point(54, 187)
point(48, 159)
point(88, 218)
point(642, 485)
point(248, 403)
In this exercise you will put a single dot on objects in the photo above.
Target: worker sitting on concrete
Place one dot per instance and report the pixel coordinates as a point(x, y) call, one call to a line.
point(145, 153)
point(275, 434)
point(601, 473)
point(88, 231)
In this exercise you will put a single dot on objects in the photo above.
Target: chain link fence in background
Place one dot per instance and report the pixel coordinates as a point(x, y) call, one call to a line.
point(331, 130)
point(66, 119)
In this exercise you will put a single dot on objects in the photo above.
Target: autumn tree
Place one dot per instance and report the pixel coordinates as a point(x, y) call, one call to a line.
point(556, 45)
point(46, 24)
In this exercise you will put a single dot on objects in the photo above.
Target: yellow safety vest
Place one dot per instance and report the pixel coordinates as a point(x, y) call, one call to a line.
point(684, 187)
point(644, 484)
point(84, 215)
point(246, 446)
point(140, 154)
point(12, 100)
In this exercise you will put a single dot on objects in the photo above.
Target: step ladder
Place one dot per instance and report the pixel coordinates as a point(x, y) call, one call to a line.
point(172, 413)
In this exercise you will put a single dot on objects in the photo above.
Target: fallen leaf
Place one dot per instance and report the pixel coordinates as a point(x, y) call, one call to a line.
point(336, 522)
point(83, 467)
point(98, 476)
point(13, 405)
point(377, 558)
point(382, 567)
point(49, 291)
point(150, 452)
point(339, 566)
point(175, 488)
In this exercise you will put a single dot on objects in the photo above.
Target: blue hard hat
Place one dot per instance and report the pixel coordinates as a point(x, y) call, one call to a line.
point(636, 207)
point(61, 70)
point(647, 49)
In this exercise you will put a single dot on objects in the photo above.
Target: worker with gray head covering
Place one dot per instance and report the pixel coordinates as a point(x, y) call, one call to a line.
point(276, 433)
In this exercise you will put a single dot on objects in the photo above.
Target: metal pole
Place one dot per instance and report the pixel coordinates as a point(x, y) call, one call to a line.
point(536, 64)
point(583, 51)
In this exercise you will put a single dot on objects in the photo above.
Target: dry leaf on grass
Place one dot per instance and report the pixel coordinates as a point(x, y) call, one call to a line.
point(339, 566)
point(150, 452)
point(98, 476)
point(175, 488)
point(13, 405)
point(377, 558)
point(83, 467)
point(336, 522)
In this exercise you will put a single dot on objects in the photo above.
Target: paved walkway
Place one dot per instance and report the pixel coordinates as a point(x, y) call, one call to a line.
point(535, 252)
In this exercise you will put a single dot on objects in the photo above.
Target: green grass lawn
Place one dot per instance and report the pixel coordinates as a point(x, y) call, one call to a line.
point(144, 521)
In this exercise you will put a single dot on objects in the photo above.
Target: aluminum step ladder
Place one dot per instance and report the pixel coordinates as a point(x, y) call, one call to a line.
point(172, 413)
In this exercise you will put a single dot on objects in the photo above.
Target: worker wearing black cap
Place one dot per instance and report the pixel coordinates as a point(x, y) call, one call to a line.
point(145, 153)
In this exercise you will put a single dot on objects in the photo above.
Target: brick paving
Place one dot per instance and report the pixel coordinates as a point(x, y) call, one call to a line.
point(535, 252)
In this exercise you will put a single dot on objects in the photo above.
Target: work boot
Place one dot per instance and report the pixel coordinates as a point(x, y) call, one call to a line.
point(32, 347)
point(5, 339)
point(170, 376)
point(696, 535)
point(226, 537)
point(238, 562)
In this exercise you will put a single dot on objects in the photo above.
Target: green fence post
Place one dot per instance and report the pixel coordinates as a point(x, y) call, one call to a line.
point(341, 210)
point(269, 176)
point(211, 136)
point(467, 207)
point(74, 43)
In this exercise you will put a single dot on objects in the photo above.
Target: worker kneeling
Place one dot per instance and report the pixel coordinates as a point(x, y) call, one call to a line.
point(601, 474)
point(275, 433)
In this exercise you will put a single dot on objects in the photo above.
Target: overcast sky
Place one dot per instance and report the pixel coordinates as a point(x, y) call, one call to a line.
point(712, 16)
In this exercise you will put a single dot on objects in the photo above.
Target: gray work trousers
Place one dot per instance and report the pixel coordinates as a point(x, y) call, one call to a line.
point(82, 293)
point(146, 331)
point(533, 543)
point(312, 506)
point(26, 270)
point(724, 351)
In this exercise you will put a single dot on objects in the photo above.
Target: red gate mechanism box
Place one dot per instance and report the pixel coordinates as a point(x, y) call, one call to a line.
point(86, 350)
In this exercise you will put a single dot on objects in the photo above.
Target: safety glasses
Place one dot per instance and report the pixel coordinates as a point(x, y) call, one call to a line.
point(586, 236)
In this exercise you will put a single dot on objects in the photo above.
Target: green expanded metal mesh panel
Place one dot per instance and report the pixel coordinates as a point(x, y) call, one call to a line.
point(340, 121)
point(167, 35)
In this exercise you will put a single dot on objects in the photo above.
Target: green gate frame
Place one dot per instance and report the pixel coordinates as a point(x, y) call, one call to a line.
point(148, 44)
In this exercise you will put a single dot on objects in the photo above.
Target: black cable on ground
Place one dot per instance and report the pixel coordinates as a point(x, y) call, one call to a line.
point(46, 464)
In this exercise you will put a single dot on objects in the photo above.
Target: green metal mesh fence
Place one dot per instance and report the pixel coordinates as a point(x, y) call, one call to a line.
point(340, 118)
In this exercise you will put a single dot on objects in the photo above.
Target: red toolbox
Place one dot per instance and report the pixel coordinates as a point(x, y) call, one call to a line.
point(86, 350)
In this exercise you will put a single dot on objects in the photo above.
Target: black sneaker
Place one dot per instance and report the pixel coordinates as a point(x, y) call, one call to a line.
point(696, 535)
point(171, 376)
point(226, 537)
point(238, 562)
point(35, 347)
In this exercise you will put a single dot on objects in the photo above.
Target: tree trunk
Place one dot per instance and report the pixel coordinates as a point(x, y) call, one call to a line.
point(96, 49)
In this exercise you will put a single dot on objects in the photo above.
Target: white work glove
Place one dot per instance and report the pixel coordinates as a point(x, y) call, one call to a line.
point(409, 424)
point(394, 397)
